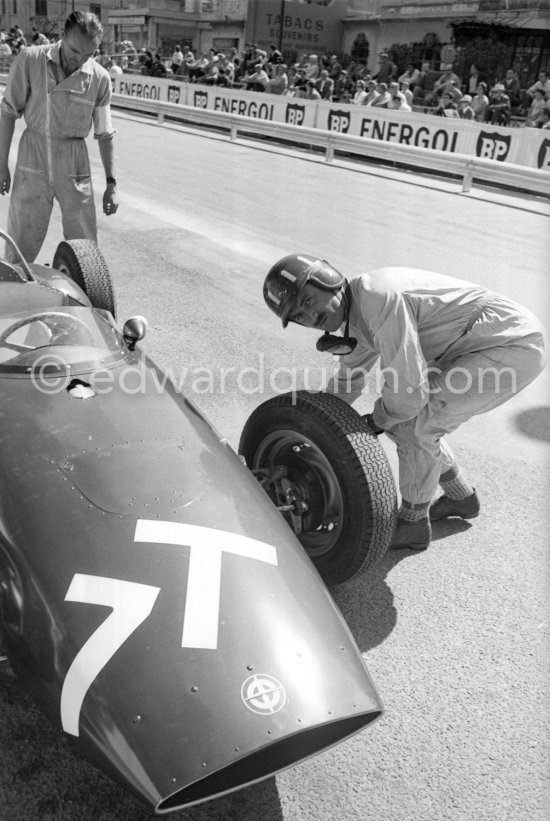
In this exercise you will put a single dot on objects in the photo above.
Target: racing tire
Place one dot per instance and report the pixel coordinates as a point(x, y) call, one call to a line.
point(334, 464)
point(83, 262)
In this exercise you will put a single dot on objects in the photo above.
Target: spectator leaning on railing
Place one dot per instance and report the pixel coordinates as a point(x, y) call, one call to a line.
point(465, 110)
point(499, 111)
point(418, 88)
point(258, 80)
point(446, 106)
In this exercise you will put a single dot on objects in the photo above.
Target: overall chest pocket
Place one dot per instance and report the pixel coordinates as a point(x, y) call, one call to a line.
point(72, 114)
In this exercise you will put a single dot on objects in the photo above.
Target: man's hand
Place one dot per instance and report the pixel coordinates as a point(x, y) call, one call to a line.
point(5, 180)
point(110, 201)
point(372, 424)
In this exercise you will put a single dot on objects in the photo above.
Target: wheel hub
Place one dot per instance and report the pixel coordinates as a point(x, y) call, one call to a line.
point(303, 486)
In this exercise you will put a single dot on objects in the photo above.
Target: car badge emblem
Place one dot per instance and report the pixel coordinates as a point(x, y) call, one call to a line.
point(263, 694)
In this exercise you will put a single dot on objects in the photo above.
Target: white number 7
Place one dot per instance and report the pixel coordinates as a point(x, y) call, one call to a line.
point(131, 603)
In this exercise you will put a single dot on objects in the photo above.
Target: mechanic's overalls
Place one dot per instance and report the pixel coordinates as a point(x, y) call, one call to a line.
point(53, 157)
point(448, 349)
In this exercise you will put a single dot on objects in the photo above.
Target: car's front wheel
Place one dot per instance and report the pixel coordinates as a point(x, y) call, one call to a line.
point(327, 472)
point(83, 262)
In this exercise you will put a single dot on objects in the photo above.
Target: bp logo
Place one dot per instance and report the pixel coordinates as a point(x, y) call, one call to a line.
point(295, 114)
point(263, 694)
point(200, 99)
point(174, 94)
point(339, 121)
point(493, 146)
point(543, 159)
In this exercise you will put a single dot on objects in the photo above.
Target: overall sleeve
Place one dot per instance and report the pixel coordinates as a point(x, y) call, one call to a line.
point(17, 88)
point(103, 124)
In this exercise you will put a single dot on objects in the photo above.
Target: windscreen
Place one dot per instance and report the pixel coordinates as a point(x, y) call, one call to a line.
point(71, 336)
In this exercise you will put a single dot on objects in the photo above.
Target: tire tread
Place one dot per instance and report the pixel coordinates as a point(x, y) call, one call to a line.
point(360, 446)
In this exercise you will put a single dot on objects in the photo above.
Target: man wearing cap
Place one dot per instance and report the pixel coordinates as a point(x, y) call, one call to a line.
point(447, 349)
point(464, 106)
point(258, 80)
point(387, 70)
point(499, 109)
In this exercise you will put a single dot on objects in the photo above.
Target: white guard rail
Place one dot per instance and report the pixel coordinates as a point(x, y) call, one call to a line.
point(462, 166)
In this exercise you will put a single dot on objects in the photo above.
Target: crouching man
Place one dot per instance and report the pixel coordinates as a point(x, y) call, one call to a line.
point(448, 350)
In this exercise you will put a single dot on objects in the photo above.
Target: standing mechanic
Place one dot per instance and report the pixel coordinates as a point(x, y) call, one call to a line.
point(448, 350)
point(61, 90)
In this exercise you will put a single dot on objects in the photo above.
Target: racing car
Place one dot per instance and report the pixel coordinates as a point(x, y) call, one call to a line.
point(164, 598)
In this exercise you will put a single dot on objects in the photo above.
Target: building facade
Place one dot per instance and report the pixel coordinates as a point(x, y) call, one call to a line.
point(512, 33)
point(515, 32)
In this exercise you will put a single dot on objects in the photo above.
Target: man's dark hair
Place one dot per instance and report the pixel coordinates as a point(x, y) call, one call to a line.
point(88, 23)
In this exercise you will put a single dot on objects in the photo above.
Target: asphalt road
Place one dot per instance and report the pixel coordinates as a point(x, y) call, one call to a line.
point(456, 637)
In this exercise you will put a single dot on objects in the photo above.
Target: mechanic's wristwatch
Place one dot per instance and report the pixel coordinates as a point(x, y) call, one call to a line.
point(111, 180)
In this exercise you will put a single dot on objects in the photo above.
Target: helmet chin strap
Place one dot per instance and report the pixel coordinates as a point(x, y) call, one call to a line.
point(339, 345)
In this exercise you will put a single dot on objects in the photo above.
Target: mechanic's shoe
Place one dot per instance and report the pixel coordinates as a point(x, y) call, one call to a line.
point(412, 535)
point(444, 507)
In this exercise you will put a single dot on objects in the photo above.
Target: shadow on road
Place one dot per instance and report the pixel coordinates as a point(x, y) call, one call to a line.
point(367, 602)
point(535, 423)
point(42, 776)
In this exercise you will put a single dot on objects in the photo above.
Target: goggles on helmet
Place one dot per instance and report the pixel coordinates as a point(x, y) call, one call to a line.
point(287, 277)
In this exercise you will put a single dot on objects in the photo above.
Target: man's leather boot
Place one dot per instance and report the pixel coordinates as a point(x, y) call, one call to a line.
point(412, 535)
point(444, 507)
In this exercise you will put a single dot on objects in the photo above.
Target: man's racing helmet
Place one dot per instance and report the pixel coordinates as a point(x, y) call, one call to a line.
point(287, 277)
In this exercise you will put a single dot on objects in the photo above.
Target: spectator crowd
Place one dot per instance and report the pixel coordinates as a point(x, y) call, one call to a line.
point(324, 77)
